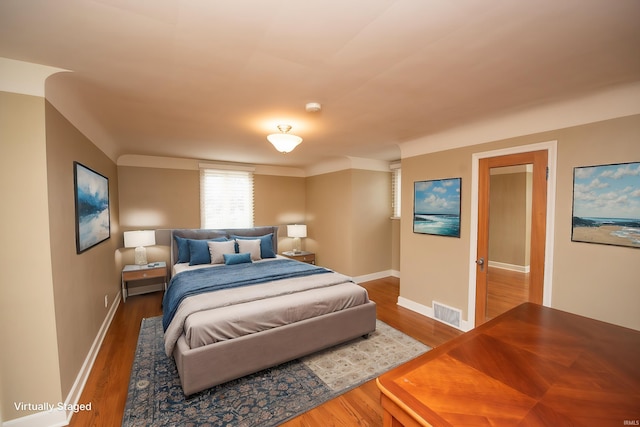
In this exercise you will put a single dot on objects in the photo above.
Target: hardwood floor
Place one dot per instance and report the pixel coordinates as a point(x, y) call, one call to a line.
point(107, 384)
point(505, 290)
point(106, 387)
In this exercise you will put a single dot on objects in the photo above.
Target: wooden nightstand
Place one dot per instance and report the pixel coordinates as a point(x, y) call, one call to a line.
point(131, 273)
point(304, 256)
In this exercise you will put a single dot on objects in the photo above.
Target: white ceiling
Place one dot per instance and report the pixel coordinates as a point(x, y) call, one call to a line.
point(209, 79)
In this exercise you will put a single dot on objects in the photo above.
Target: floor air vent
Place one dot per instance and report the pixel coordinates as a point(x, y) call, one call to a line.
point(449, 315)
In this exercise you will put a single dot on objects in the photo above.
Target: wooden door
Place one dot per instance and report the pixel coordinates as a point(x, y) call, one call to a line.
point(538, 225)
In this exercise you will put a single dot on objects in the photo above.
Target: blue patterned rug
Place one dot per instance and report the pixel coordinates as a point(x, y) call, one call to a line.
point(266, 398)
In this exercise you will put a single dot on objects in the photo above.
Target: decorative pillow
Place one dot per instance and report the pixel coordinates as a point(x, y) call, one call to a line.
point(217, 250)
point(231, 259)
point(183, 249)
point(250, 246)
point(199, 251)
point(266, 244)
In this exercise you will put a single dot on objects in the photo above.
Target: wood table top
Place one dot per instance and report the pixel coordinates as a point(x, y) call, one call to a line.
point(532, 366)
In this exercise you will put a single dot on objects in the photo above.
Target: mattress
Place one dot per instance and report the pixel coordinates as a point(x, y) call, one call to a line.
point(224, 323)
point(230, 313)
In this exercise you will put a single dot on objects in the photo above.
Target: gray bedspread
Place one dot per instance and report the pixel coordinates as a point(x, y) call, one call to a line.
point(266, 293)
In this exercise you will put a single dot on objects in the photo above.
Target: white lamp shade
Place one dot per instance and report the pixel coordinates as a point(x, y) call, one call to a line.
point(297, 230)
point(284, 142)
point(135, 239)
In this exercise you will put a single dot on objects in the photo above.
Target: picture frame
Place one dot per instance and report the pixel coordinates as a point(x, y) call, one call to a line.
point(93, 221)
point(436, 207)
point(606, 204)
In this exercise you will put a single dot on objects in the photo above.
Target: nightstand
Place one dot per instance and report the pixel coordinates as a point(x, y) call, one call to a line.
point(131, 273)
point(304, 256)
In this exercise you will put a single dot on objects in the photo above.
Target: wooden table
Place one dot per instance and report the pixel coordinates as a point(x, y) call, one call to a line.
point(532, 366)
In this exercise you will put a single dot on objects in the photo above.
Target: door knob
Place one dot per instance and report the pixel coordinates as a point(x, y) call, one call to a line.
point(480, 262)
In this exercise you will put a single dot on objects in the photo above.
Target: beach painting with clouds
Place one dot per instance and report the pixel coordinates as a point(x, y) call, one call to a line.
point(606, 204)
point(436, 207)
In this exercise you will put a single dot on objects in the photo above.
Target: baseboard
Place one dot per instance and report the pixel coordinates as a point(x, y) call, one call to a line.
point(374, 276)
point(78, 386)
point(60, 413)
point(53, 418)
point(428, 312)
point(510, 267)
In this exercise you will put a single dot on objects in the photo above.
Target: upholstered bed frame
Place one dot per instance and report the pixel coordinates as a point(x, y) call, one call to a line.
point(204, 367)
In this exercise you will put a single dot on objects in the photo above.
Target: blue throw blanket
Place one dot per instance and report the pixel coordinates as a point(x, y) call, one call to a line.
point(194, 282)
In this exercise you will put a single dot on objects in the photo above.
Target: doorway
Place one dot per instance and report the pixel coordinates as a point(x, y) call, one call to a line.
point(512, 235)
point(509, 248)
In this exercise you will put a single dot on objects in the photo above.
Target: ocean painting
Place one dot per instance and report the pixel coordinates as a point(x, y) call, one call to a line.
point(92, 207)
point(606, 204)
point(436, 207)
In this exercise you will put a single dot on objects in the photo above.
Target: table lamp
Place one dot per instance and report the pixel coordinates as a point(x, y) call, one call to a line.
point(138, 240)
point(296, 231)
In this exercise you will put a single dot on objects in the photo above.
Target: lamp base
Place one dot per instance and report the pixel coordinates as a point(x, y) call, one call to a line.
point(296, 245)
point(141, 255)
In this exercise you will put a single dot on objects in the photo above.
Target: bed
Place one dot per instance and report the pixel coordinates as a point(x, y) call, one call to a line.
point(233, 314)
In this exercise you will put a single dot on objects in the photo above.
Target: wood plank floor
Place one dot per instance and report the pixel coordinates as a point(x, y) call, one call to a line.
point(506, 289)
point(107, 384)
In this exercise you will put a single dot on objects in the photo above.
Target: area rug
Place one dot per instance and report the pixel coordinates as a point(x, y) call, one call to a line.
point(266, 398)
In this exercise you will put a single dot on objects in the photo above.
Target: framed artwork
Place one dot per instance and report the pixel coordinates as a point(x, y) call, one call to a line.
point(606, 204)
point(436, 207)
point(92, 207)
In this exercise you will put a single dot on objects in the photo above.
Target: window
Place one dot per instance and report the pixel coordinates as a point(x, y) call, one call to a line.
point(226, 197)
point(396, 181)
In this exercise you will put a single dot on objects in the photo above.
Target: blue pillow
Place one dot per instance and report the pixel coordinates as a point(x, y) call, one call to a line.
point(231, 259)
point(266, 244)
point(199, 250)
point(183, 249)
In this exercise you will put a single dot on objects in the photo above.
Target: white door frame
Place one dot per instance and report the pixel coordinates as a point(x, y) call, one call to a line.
point(551, 148)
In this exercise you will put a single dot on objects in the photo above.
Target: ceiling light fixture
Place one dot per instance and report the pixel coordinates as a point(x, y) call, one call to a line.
point(313, 107)
point(284, 142)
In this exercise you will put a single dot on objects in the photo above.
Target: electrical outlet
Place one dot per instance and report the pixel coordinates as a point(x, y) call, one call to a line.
point(106, 301)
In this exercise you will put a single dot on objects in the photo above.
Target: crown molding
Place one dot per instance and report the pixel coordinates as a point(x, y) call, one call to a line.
point(24, 78)
point(610, 103)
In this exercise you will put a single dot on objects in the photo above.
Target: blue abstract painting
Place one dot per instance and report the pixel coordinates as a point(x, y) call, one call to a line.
point(606, 204)
point(92, 207)
point(436, 207)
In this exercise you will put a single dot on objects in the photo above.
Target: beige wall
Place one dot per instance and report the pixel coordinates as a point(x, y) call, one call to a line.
point(395, 245)
point(347, 212)
point(158, 198)
point(597, 281)
point(509, 221)
point(348, 220)
point(80, 281)
point(170, 198)
point(279, 200)
point(329, 211)
point(29, 364)
point(371, 223)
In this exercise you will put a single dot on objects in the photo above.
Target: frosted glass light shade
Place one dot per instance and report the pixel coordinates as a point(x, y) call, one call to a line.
point(284, 142)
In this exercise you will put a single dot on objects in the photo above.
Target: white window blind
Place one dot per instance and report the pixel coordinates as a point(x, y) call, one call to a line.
point(396, 181)
point(226, 198)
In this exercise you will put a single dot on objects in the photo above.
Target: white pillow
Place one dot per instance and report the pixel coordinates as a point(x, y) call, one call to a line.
point(251, 246)
point(218, 249)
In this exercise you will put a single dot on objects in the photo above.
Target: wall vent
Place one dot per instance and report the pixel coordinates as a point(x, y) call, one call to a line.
point(449, 315)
